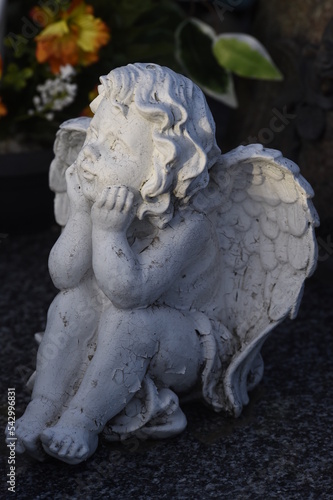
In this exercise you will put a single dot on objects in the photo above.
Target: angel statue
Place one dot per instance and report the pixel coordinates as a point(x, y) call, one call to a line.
point(174, 264)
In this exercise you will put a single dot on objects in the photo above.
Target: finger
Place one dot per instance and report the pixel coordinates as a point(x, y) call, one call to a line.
point(101, 200)
point(121, 198)
point(128, 206)
point(111, 198)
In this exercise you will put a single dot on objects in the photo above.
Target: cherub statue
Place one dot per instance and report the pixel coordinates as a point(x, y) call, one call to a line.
point(174, 265)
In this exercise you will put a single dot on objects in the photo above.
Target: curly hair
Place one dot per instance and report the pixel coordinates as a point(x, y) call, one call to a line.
point(183, 132)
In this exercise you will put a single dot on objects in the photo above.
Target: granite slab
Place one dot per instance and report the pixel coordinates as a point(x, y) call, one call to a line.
point(280, 447)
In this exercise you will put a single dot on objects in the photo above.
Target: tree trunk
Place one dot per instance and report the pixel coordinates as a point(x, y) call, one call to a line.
point(296, 115)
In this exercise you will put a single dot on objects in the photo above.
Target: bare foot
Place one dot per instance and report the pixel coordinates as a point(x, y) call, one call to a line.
point(29, 427)
point(72, 443)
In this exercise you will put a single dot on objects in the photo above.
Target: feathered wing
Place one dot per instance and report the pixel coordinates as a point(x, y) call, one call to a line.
point(265, 224)
point(69, 140)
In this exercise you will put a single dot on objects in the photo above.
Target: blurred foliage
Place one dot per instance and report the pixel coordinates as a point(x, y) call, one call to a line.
point(160, 31)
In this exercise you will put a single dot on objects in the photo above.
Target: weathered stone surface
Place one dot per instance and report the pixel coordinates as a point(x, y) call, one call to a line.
point(151, 306)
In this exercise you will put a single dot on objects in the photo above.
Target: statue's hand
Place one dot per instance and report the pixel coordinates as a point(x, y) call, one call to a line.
point(113, 209)
point(79, 203)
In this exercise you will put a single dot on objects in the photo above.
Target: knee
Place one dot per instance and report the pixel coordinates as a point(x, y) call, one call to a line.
point(77, 303)
point(64, 299)
point(130, 330)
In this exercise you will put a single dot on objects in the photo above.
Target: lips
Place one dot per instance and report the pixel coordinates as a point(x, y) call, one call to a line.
point(88, 175)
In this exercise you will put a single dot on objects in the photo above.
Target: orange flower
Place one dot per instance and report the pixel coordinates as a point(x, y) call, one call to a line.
point(3, 109)
point(73, 37)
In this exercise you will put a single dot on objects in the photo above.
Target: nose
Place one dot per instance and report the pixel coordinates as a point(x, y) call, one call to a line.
point(90, 152)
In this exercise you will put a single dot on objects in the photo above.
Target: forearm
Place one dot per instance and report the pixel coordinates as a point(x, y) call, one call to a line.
point(70, 257)
point(132, 280)
point(117, 269)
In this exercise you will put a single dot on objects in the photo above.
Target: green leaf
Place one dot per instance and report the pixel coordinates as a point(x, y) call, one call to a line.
point(228, 97)
point(15, 77)
point(245, 56)
point(194, 41)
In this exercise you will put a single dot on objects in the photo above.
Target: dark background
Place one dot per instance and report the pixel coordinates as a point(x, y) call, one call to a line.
point(281, 446)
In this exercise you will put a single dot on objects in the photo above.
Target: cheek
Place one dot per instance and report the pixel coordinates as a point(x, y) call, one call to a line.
point(112, 170)
point(88, 188)
point(106, 178)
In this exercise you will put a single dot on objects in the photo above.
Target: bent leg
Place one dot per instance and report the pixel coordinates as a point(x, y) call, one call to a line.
point(61, 362)
point(128, 343)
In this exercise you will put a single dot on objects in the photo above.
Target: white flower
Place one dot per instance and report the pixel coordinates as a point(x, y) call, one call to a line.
point(67, 72)
point(36, 101)
point(56, 94)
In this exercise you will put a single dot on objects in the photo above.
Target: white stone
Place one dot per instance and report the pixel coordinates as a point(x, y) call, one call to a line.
point(173, 267)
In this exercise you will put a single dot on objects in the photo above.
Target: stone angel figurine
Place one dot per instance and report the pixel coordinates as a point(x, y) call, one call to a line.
point(174, 265)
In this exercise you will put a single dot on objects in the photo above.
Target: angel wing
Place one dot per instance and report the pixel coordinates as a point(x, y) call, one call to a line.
point(69, 140)
point(265, 224)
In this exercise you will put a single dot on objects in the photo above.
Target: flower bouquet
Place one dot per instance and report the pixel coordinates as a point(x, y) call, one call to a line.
point(54, 53)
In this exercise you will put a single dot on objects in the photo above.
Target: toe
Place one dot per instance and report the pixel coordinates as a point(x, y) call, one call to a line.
point(55, 446)
point(65, 447)
point(81, 451)
point(47, 436)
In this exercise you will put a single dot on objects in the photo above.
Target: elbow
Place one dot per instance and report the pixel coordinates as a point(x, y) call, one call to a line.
point(57, 269)
point(66, 271)
point(55, 274)
point(62, 282)
point(57, 282)
point(125, 296)
point(66, 277)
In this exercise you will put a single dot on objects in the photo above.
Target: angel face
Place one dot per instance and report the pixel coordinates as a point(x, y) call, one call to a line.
point(117, 151)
